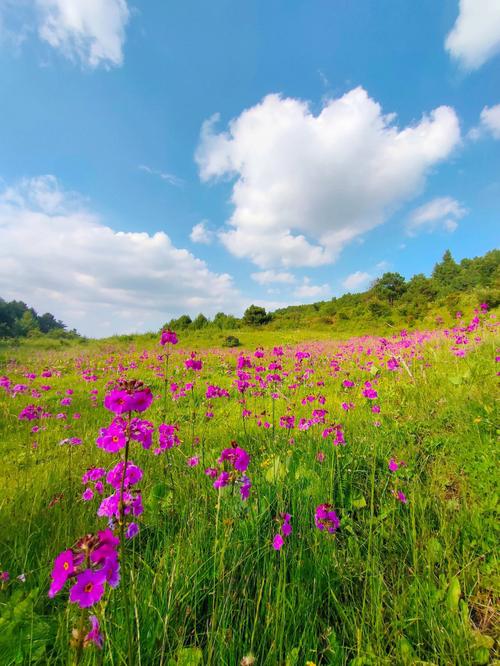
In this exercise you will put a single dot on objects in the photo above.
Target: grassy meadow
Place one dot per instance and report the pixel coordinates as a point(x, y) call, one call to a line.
point(396, 432)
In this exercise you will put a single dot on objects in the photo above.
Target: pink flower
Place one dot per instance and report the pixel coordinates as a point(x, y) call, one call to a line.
point(326, 518)
point(94, 636)
point(64, 567)
point(115, 476)
point(168, 337)
point(237, 457)
point(132, 531)
point(112, 438)
point(87, 495)
point(394, 465)
point(278, 542)
point(88, 589)
point(400, 496)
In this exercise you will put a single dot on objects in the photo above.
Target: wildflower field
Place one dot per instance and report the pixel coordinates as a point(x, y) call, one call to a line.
point(326, 502)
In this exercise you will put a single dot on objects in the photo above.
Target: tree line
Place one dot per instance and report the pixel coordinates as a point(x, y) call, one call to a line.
point(390, 298)
point(18, 320)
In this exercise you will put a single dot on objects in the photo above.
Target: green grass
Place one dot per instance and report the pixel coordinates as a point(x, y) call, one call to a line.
point(397, 584)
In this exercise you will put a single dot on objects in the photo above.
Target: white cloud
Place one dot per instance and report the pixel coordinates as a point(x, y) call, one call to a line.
point(475, 37)
point(169, 178)
point(270, 277)
point(58, 256)
point(441, 212)
point(305, 185)
point(490, 120)
point(89, 31)
point(357, 281)
point(200, 234)
point(308, 290)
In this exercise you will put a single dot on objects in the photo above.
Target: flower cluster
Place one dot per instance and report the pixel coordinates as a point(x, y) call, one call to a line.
point(90, 564)
point(92, 479)
point(193, 363)
point(325, 518)
point(168, 337)
point(394, 466)
point(284, 531)
point(167, 438)
point(234, 462)
point(128, 397)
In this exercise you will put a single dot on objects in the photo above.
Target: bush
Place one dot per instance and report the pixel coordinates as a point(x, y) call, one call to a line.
point(231, 341)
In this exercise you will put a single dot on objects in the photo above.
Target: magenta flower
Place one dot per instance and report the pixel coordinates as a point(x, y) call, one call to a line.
point(287, 422)
point(168, 337)
point(370, 393)
point(392, 364)
point(93, 474)
point(326, 518)
point(132, 476)
point(237, 457)
point(87, 494)
point(134, 398)
point(141, 431)
point(132, 531)
point(64, 567)
point(222, 480)
point(246, 484)
point(110, 506)
point(141, 400)
point(111, 570)
point(30, 413)
point(112, 438)
point(88, 589)
point(286, 528)
point(193, 363)
point(167, 438)
point(105, 547)
point(278, 542)
point(94, 636)
point(192, 462)
point(118, 401)
point(394, 465)
point(285, 531)
point(400, 496)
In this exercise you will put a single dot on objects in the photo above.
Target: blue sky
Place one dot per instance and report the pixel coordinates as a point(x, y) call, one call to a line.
point(350, 138)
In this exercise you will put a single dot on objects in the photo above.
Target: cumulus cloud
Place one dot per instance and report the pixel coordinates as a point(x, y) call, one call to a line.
point(305, 185)
point(91, 32)
point(307, 290)
point(490, 120)
point(439, 213)
point(357, 281)
point(201, 234)
point(475, 37)
point(271, 277)
point(59, 256)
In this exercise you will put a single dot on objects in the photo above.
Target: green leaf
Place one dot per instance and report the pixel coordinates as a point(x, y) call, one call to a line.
point(454, 594)
point(292, 657)
point(190, 656)
point(358, 503)
point(276, 471)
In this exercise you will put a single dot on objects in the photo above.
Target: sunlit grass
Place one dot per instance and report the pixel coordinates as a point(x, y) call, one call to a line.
point(396, 584)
